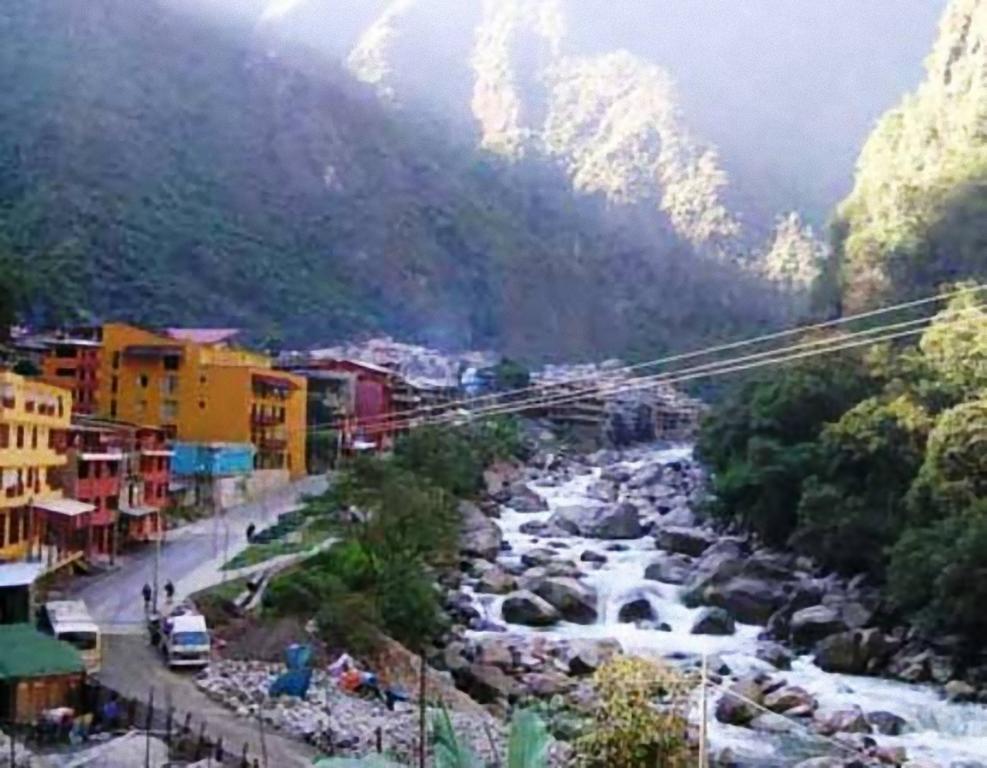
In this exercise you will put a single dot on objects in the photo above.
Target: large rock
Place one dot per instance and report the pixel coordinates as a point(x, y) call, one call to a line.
point(851, 720)
point(527, 608)
point(958, 690)
point(479, 536)
point(646, 476)
point(617, 521)
point(810, 625)
point(774, 654)
point(602, 490)
point(788, 698)
point(749, 601)
point(584, 657)
point(686, 541)
point(852, 653)
point(487, 683)
point(714, 621)
point(639, 609)
point(545, 685)
point(574, 601)
point(738, 705)
point(496, 581)
point(524, 499)
point(887, 723)
point(536, 558)
point(671, 569)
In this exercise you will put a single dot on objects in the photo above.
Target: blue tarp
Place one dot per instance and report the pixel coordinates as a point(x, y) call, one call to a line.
point(212, 459)
point(296, 681)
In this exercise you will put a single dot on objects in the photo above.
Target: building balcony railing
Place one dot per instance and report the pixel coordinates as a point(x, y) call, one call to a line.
point(273, 444)
point(265, 419)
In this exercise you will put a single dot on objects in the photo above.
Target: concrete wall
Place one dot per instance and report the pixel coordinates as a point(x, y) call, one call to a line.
point(231, 491)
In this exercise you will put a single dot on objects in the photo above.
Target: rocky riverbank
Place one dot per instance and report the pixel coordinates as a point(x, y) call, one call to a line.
point(571, 559)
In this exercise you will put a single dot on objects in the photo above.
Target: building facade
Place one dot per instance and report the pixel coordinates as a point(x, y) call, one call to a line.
point(33, 420)
point(198, 389)
point(73, 364)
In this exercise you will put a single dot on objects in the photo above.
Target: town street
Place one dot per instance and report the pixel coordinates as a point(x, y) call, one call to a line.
point(191, 559)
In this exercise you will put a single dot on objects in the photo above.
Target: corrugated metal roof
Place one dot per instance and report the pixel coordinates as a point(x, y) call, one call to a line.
point(69, 507)
point(27, 653)
point(203, 335)
point(19, 574)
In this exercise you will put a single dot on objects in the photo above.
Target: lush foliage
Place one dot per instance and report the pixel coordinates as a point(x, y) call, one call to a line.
point(641, 717)
point(916, 216)
point(398, 526)
point(527, 747)
point(886, 475)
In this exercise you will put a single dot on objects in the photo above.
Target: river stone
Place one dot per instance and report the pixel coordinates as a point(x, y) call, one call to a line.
point(774, 654)
point(887, 723)
point(639, 609)
point(749, 601)
point(589, 556)
point(535, 528)
point(959, 691)
point(496, 581)
point(852, 653)
point(524, 499)
point(686, 541)
point(487, 683)
point(672, 569)
point(616, 521)
point(788, 698)
point(714, 621)
point(850, 720)
point(810, 625)
point(646, 476)
point(545, 685)
point(541, 557)
point(823, 762)
point(733, 709)
point(526, 608)
point(574, 601)
point(479, 535)
point(771, 724)
point(498, 651)
point(584, 657)
point(601, 490)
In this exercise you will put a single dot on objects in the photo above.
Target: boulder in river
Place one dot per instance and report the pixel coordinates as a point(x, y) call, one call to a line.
point(810, 625)
point(496, 581)
point(671, 569)
point(487, 683)
point(887, 723)
point(852, 653)
point(616, 521)
point(527, 608)
point(850, 720)
point(479, 535)
point(774, 654)
point(638, 609)
point(686, 541)
point(714, 621)
point(589, 556)
point(536, 558)
point(574, 601)
point(789, 698)
point(959, 690)
point(524, 499)
point(749, 601)
point(739, 705)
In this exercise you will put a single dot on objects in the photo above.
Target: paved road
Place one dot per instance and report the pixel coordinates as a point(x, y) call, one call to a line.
point(132, 667)
point(191, 558)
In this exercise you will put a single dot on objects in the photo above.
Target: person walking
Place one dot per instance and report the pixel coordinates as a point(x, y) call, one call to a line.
point(251, 530)
point(146, 594)
point(169, 591)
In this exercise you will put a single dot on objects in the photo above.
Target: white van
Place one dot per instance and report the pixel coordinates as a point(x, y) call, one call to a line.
point(69, 621)
point(185, 640)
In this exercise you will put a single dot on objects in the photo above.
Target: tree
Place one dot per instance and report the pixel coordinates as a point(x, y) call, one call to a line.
point(955, 346)
point(641, 717)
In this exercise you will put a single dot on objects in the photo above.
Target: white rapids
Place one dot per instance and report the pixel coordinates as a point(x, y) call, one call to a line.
point(944, 734)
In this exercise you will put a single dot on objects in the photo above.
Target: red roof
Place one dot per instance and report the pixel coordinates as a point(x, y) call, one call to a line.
point(203, 335)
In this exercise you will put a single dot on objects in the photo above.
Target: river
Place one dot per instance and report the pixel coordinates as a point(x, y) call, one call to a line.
point(941, 734)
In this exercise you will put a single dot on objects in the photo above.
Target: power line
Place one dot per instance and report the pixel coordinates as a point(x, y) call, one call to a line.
point(709, 370)
point(444, 407)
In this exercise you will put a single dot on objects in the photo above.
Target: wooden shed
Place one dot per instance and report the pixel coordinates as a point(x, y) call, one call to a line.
point(37, 673)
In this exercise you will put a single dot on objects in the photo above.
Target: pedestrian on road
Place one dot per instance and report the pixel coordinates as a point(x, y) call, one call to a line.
point(169, 591)
point(251, 530)
point(146, 592)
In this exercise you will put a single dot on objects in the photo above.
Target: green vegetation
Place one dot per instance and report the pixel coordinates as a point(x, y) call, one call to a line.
point(399, 527)
point(917, 215)
point(310, 535)
point(641, 717)
point(874, 463)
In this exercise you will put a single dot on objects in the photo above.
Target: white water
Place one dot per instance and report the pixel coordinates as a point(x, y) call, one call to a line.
point(945, 734)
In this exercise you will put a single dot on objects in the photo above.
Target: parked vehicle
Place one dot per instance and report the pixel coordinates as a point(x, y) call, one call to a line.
point(185, 639)
point(70, 621)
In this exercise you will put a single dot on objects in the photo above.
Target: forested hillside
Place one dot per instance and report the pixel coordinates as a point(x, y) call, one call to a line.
point(918, 212)
point(159, 169)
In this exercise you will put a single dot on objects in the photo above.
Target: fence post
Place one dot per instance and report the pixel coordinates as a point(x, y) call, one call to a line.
point(148, 722)
point(169, 716)
point(379, 736)
point(201, 742)
point(187, 727)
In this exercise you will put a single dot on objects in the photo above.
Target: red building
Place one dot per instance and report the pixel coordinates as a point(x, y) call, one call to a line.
point(355, 397)
point(73, 363)
point(146, 490)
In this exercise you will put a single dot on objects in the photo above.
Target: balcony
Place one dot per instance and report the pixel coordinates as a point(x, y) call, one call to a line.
point(272, 444)
point(265, 419)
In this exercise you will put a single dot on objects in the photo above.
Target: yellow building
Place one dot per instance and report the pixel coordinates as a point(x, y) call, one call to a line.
point(33, 418)
point(201, 390)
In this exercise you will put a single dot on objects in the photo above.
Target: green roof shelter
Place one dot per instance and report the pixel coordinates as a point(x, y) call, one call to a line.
point(37, 673)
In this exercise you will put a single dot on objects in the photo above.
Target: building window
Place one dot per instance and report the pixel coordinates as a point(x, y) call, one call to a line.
point(116, 360)
point(114, 384)
point(171, 363)
point(143, 381)
point(20, 436)
point(34, 437)
point(4, 435)
point(60, 406)
point(113, 409)
point(112, 467)
point(169, 411)
point(202, 405)
point(83, 470)
point(65, 373)
point(202, 378)
point(112, 502)
point(170, 384)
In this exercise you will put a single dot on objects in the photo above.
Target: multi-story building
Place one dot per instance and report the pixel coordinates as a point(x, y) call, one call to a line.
point(73, 363)
point(33, 418)
point(199, 389)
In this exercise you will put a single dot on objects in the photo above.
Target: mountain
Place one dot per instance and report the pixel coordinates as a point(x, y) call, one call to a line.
point(917, 215)
point(167, 168)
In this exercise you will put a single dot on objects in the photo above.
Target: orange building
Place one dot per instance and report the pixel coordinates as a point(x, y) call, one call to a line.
point(200, 389)
point(73, 363)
